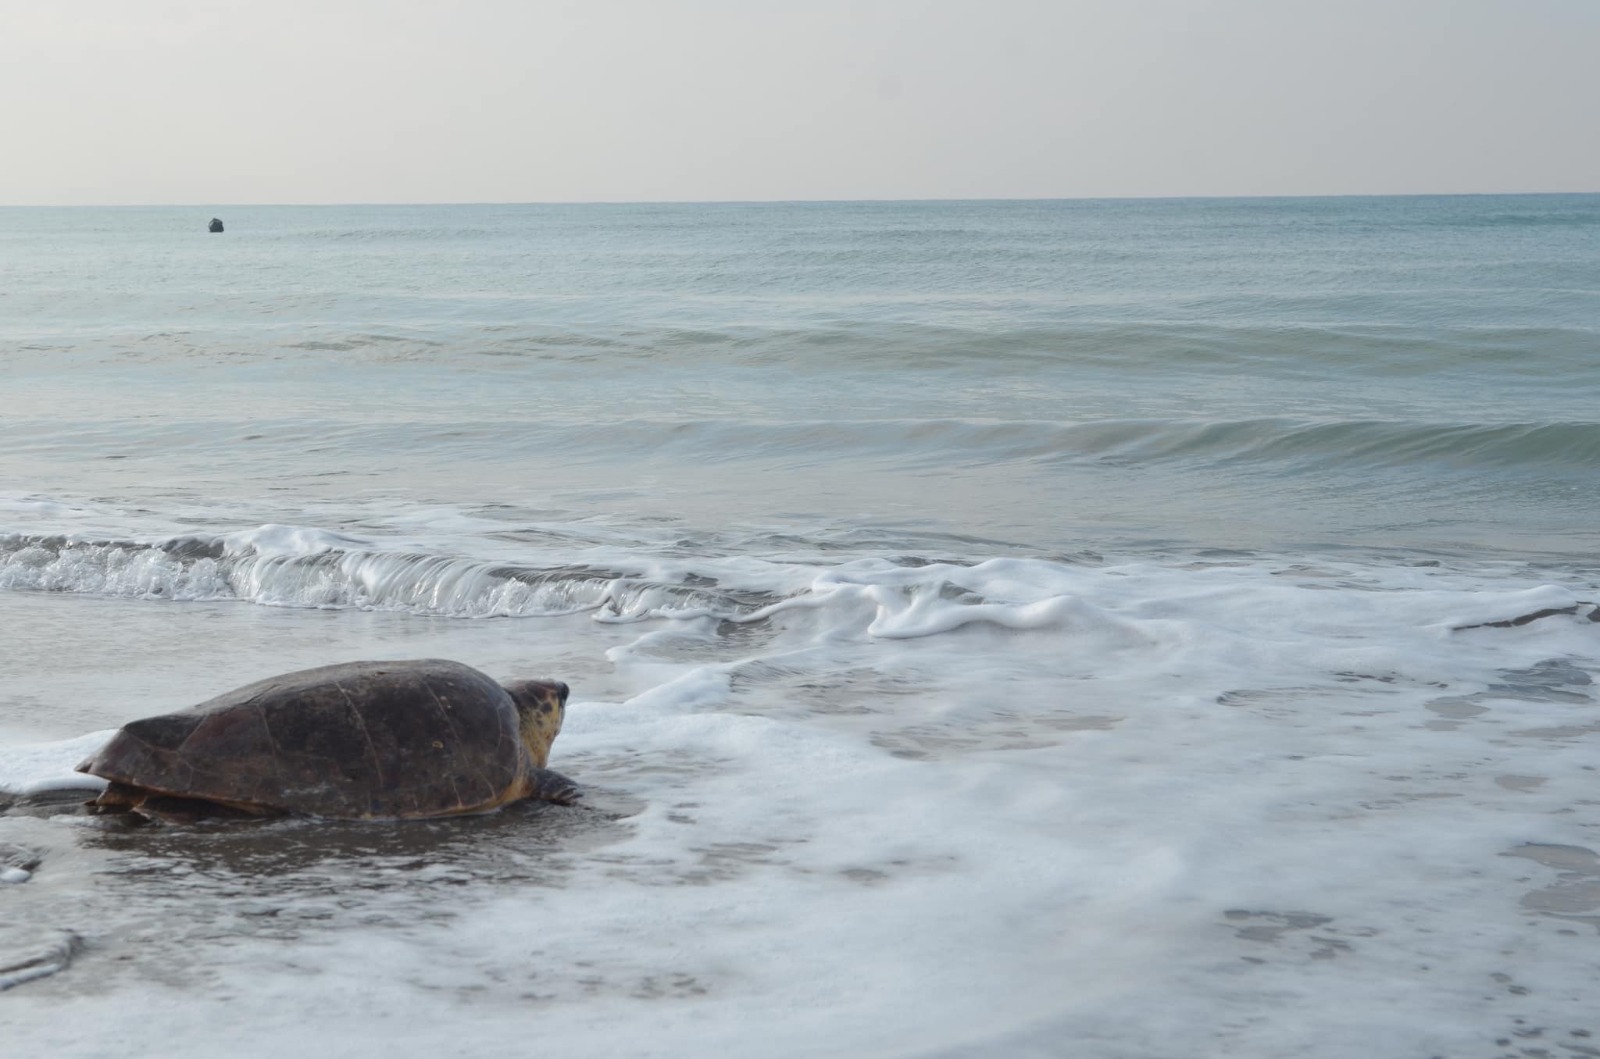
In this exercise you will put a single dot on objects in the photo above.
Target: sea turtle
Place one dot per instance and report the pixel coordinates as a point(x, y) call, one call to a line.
point(365, 740)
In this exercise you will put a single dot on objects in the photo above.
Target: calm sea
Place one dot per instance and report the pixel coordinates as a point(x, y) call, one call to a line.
point(1027, 628)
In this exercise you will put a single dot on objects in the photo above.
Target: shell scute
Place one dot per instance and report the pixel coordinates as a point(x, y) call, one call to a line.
point(167, 732)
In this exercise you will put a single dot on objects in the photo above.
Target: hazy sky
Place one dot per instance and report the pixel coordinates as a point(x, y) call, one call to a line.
point(126, 101)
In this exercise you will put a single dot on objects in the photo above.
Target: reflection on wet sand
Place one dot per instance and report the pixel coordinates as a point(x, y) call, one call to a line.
point(140, 898)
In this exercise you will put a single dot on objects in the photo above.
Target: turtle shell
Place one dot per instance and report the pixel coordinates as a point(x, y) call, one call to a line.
point(359, 739)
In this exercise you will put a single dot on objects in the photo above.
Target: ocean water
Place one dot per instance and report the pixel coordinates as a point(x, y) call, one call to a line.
point(995, 628)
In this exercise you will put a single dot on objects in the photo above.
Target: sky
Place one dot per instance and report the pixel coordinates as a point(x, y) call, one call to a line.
point(306, 101)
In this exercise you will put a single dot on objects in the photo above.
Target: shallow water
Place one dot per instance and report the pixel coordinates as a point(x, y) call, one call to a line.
point(1027, 628)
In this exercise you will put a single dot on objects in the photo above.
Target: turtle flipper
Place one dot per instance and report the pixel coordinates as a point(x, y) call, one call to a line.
point(116, 798)
point(548, 786)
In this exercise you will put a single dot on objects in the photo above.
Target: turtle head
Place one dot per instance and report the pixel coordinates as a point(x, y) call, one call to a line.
point(541, 706)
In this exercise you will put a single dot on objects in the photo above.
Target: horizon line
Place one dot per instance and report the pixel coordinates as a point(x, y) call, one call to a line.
point(798, 201)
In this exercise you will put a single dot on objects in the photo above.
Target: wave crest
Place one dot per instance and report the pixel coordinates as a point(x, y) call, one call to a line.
point(222, 568)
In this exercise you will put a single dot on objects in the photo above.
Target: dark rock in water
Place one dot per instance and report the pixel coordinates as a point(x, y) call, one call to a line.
point(1592, 614)
point(216, 224)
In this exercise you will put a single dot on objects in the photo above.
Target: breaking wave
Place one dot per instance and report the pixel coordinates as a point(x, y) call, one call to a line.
point(340, 577)
point(284, 566)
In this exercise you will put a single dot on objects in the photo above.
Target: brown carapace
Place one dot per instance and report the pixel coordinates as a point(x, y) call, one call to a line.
point(358, 740)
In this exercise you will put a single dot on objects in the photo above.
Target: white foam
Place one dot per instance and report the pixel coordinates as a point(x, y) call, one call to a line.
point(275, 540)
point(38, 506)
point(944, 809)
point(34, 768)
